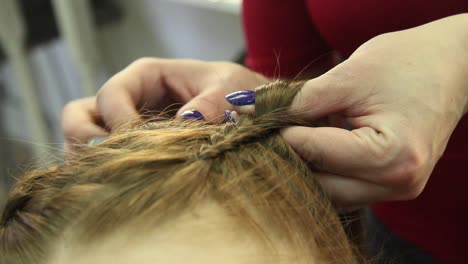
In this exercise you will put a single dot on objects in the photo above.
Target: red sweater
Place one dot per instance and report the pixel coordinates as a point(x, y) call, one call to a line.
point(286, 35)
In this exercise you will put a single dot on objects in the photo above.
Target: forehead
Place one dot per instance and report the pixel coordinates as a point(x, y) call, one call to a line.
point(205, 235)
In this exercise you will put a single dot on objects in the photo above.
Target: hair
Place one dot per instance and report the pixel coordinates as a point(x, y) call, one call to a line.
point(151, 172)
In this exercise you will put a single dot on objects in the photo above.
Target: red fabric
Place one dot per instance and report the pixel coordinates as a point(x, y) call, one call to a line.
point(281, 39)
point(285, 36)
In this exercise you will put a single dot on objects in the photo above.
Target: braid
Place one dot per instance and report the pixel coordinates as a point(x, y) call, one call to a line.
point(154, 170)
point(272, 113)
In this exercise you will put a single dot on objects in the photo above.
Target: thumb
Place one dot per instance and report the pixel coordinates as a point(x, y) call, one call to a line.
point(322, 96)
point(355, 153)
point(318, 97)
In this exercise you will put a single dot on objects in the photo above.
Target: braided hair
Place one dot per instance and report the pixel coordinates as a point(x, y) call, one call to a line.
point(149, 173)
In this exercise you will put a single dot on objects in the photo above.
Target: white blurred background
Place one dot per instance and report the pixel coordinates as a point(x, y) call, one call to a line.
point(94, 41)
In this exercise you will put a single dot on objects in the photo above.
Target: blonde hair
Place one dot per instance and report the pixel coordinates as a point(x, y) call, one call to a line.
point(151, 172)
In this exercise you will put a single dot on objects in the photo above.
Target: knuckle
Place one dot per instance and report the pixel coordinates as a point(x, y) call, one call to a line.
point(106, 90)
point(69, 107)
point(101, 93)
point(144, 62)
point(103, 90)
point(409, 192)
point(69, 110)
point(414, 180)
point(415, 161)
point(412, 175)
point(382, 148)
point(403, 166)
point(138, 66)
point(413, 192)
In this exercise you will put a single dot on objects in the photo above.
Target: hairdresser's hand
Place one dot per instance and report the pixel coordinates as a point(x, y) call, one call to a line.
point(153, 84)
point(403, 93)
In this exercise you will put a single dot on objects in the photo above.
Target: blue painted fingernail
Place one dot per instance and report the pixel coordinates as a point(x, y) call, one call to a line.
point(228, 116)
point(192, 114)
point(241, 98)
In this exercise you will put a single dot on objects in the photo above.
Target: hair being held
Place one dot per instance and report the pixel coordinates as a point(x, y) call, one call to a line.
point(217, 187)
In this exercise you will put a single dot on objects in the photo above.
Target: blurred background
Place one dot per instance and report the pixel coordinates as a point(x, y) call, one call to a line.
point(54, 51)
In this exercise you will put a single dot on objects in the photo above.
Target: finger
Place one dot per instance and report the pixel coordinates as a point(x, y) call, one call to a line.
point(81, 122)
point(242, 101)
point(324, 95)
point(138, 85)
point(211, 103)
point(319, 97)
point(87, 132)
point(348, 192)
point(246, 109)
point(358, 153)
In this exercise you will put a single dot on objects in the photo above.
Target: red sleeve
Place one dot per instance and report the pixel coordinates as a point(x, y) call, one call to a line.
point(281, 39)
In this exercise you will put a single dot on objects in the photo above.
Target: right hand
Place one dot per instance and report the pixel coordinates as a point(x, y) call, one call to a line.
point(154, 84)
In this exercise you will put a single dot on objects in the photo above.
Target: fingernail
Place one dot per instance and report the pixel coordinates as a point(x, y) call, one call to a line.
point(235, 116)
point(96, 140)
point(241, 98)
point(228, 116)
point(192, 114)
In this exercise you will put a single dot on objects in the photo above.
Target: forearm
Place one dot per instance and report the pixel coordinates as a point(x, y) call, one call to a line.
point(452, 33)
point(460, 24)
point(464, 43)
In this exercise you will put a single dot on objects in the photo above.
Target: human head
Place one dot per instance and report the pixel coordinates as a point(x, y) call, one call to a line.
point(170, 179)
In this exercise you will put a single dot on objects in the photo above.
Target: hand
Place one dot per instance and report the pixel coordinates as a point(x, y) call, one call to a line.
point(154, 84)
point(403, 94)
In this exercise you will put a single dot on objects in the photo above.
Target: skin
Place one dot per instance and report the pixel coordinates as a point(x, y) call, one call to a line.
point(402, 92)
point(154, 84)
point(204, 235)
